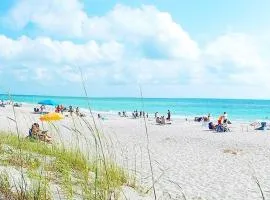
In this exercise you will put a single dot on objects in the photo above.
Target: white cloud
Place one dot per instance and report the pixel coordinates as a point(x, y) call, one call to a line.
point(55, 16)
point(58, 52)
point(41, 74)
point(239, 58)
point(127, 46)
point(68, 19)
point(21, 74)
point(240, 49)
point(145, 23)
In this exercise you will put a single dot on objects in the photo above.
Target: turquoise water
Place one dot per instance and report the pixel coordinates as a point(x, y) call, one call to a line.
point(237, 109)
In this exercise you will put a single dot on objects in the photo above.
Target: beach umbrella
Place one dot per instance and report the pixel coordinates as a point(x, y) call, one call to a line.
point(51, 117)
point(48, 102)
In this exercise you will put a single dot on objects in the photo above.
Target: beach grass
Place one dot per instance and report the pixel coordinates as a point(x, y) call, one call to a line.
point(69, 171)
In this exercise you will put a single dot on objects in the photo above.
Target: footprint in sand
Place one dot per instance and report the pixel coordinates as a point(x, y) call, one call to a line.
point(233, 151)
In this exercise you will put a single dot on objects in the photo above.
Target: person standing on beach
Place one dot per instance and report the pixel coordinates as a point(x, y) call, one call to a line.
point(169, 115)
point(208, 117)
point(225, 117)
point(156, 113)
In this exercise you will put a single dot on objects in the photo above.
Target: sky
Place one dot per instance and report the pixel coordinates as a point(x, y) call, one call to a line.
point(172, 48)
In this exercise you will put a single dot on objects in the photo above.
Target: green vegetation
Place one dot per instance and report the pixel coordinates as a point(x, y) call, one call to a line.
point(47, 166)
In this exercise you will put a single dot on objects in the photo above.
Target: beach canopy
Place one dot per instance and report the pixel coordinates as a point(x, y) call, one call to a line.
point(51, 117)
point(48, 102)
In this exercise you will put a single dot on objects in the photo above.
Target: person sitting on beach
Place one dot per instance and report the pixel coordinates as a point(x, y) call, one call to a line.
point(36, 133)
point(61, 109)
point(36, 110)
point(162, 120)
point(57, 109)
point(42, 108)
point(158, 120)
point(222, 125)
point(211, 126)
point(220, 120)
point(198, 119)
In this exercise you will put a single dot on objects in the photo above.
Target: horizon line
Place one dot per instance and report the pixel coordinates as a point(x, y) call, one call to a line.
point(118, 97)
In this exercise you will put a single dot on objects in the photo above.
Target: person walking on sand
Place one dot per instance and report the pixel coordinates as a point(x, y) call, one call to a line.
point(77, 111)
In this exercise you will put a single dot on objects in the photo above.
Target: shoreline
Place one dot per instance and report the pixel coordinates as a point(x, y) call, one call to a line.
point(151, 115)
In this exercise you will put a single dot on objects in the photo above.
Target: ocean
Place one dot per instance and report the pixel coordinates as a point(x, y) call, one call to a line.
point(237, 109)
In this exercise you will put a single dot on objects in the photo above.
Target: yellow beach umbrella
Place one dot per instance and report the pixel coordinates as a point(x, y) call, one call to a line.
point(53, 116)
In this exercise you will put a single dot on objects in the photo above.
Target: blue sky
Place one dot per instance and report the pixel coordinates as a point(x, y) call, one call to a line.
point(171, 48)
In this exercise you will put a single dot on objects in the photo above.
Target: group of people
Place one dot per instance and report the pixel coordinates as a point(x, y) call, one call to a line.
point(2, 104)
point(36, 133)
point(122, 114)
point(140, 114)
point(203, 118)
point(60, 109)
point(161, 119)
point(40, 110)
point(222, 124)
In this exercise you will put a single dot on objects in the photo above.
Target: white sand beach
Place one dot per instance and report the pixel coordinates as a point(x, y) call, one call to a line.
point(188, 160)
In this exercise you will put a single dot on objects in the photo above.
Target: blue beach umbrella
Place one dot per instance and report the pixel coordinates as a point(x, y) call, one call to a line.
point(48, 102)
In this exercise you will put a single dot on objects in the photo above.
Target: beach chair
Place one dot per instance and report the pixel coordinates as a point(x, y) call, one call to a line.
point(263, 127)
point(222, 128)
point(219, 128)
